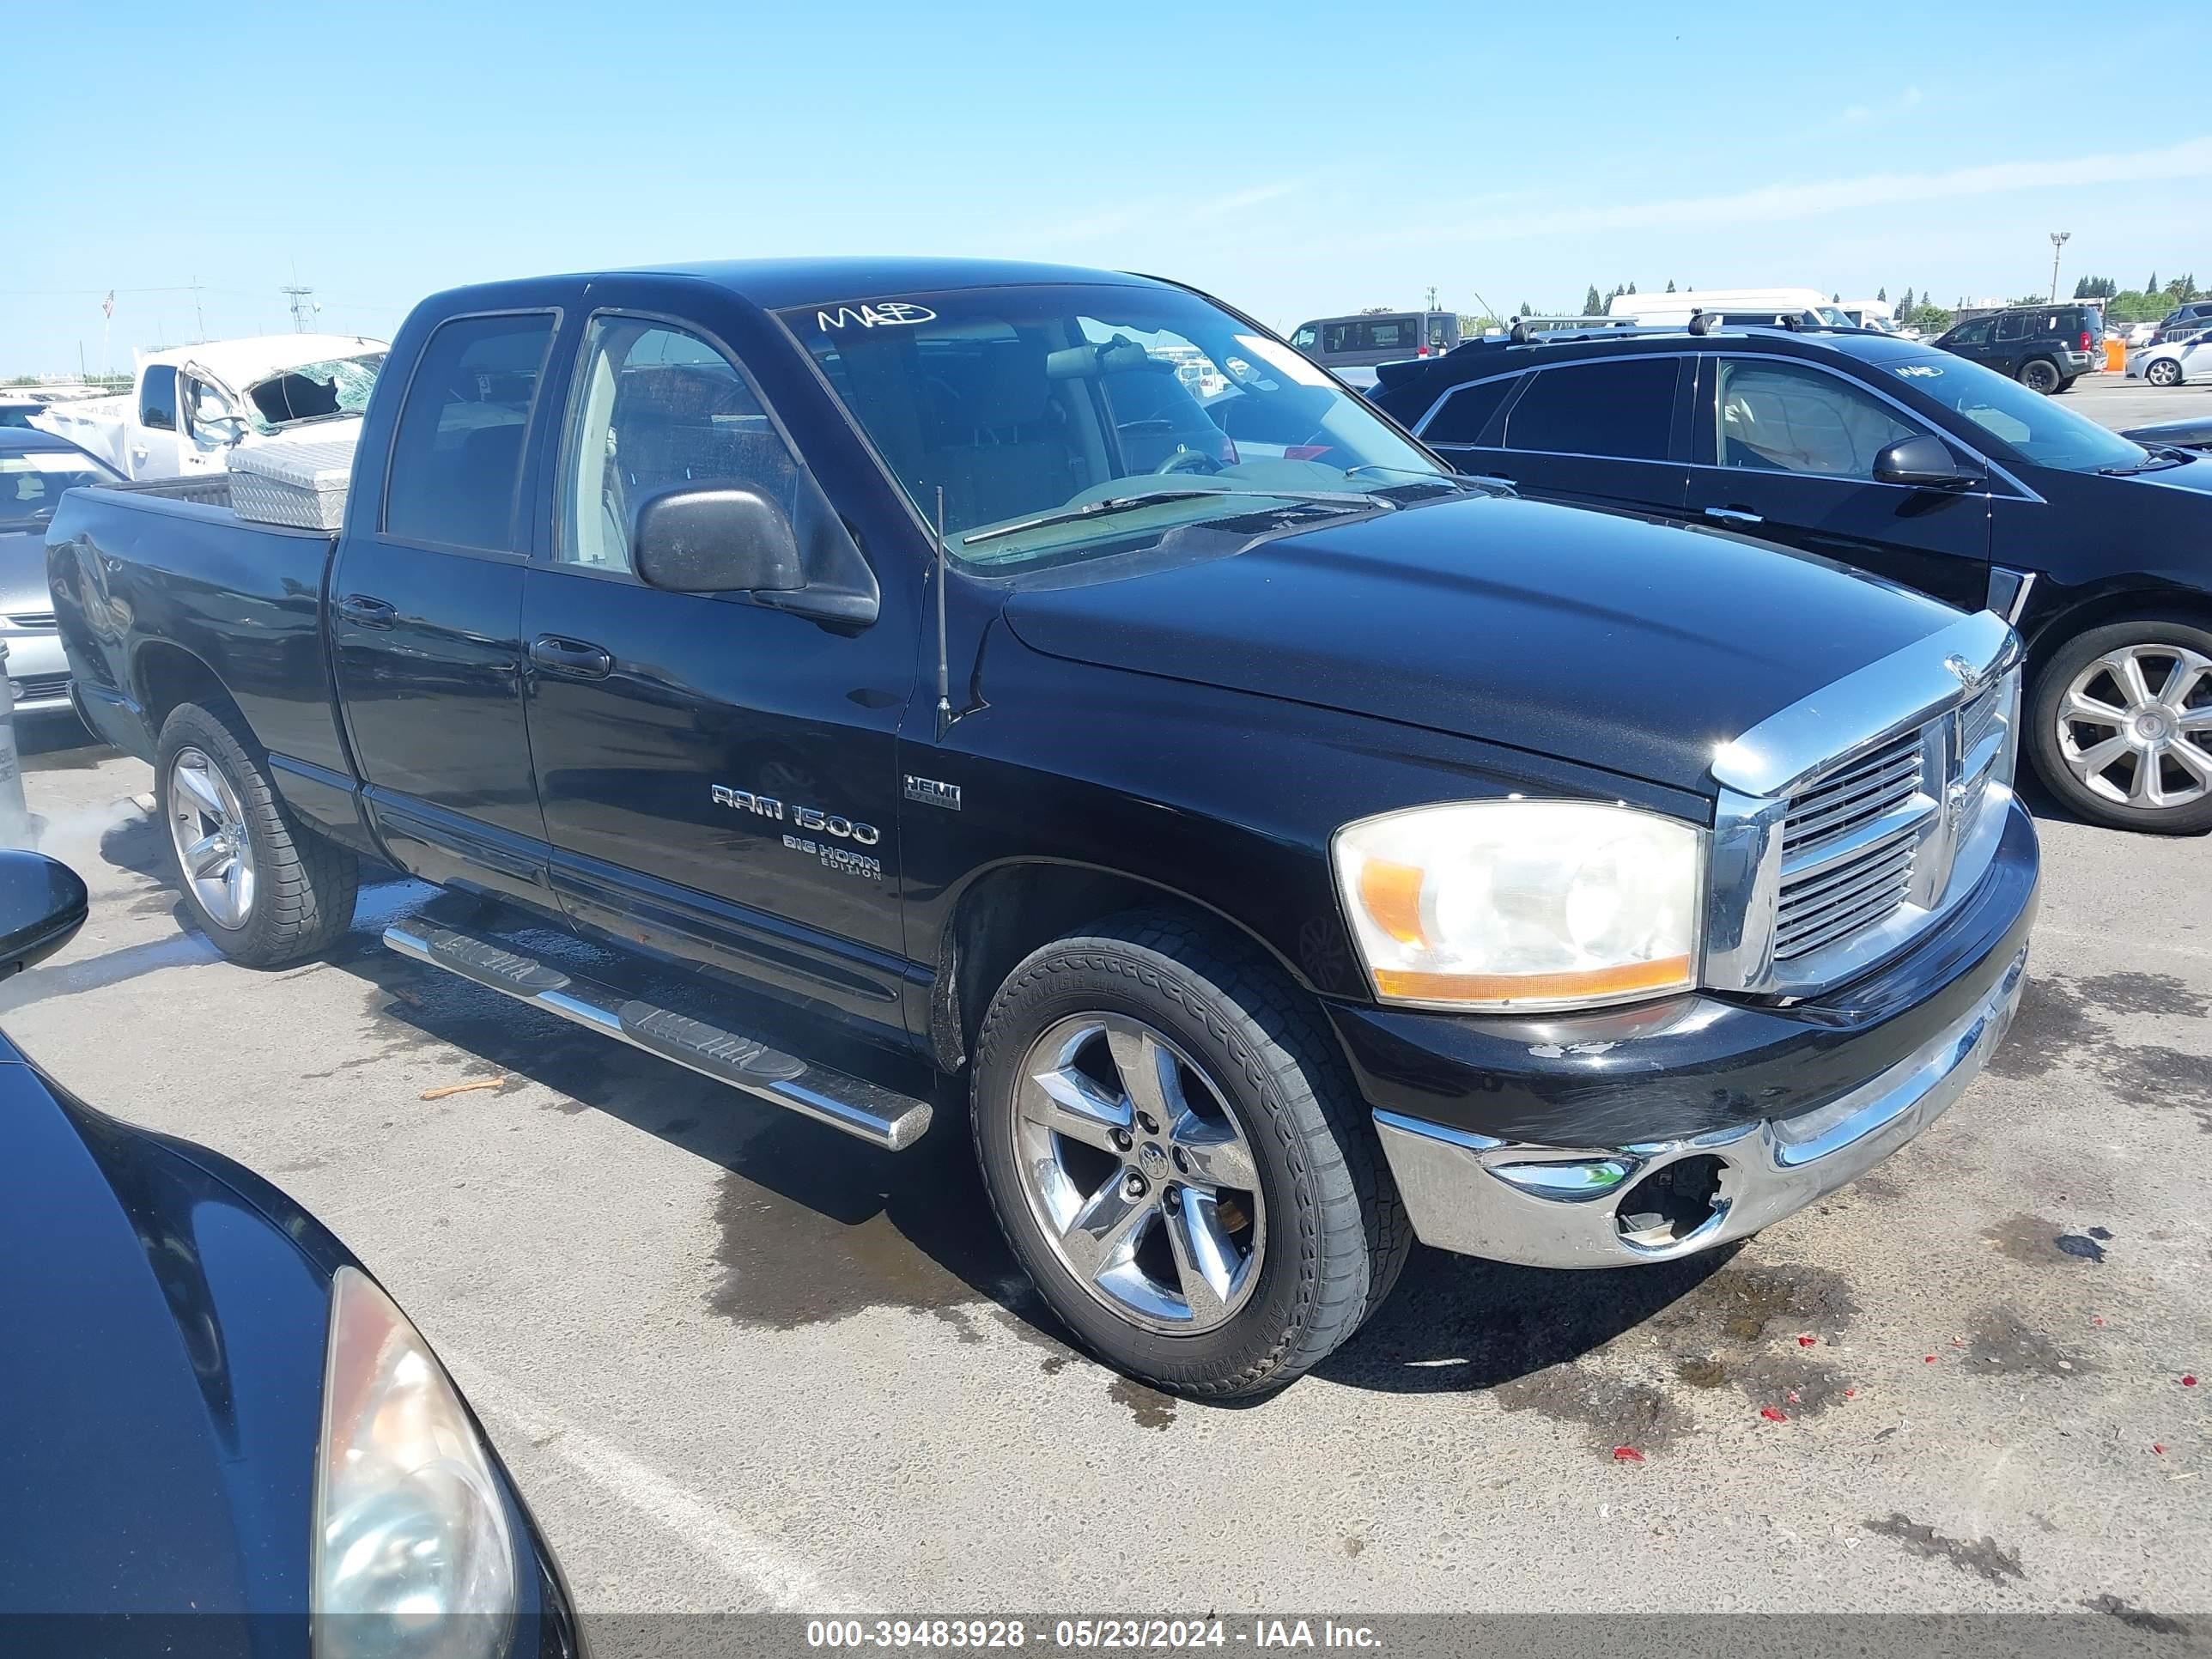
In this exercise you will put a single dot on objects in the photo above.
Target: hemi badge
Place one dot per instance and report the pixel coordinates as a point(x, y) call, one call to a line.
point(930, 793)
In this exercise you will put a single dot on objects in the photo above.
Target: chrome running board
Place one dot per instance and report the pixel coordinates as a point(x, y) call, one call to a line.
point(880, 1116)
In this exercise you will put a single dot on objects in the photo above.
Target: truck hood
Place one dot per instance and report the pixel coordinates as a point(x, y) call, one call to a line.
point(1596, 637)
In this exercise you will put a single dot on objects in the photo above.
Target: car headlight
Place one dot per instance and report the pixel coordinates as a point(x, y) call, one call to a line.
point(1522, 905)
point(413, 1555)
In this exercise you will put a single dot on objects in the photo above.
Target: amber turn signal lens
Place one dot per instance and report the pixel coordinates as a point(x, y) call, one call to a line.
point(1666, 974)
point(1392, 894)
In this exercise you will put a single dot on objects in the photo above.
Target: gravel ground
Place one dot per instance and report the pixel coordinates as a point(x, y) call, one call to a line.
point(739, 1362)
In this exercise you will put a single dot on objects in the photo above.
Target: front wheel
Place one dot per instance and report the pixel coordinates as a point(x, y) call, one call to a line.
point(2164, 372)
point(1178, 1158)
point(2121, 726)
point(2039, 374)
point(267, 892)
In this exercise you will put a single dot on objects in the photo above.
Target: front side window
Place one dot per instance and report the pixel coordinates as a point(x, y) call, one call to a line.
point(1305, 338)
point(656, 408)
point(2032, 426)
point(1439, 333)
point(1786, 417)
point(1624, 409)
point(457, 456)
point(1974, 333)
point(157, 398)
point(1120, 414)
point(204, 405)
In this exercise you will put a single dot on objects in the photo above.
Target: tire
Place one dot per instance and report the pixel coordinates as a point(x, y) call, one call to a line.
point(2067, 384)
point(2165, 371)
point(2039, 374)
point(296, 896)
point(1325, 1229)
point(2096, 766)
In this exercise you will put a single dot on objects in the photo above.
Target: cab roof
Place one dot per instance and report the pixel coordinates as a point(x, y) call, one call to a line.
point(773, 284)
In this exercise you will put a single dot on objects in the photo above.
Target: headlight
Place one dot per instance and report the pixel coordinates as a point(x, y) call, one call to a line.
point(1522, 905)
point(413, 1558)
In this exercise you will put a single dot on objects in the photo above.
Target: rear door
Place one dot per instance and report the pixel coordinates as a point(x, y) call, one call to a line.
point(154, 445)
point(426, 609)
point(719, 779)
point(1598, 431)
point(1784, 449)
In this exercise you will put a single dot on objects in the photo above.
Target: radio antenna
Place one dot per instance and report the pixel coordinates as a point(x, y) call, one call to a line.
point(944, 665)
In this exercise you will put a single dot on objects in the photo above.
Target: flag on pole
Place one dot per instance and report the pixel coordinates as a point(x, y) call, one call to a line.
point(107, 305)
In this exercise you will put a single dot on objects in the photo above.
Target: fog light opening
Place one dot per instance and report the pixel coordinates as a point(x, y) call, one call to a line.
point(1670, 1205)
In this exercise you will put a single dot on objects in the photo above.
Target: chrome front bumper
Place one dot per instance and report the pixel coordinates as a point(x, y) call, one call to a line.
point(1558, 1206)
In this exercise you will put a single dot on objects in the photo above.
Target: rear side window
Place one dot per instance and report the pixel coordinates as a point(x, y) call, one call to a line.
point(1621, 409)
point(157, 398)
point(1466, 411)
point(457, 457)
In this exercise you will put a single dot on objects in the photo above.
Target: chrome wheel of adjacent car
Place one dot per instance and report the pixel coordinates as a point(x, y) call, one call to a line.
point(208, 827)
point(1137, 1173)
point(2135, 725)
point(2164, 372)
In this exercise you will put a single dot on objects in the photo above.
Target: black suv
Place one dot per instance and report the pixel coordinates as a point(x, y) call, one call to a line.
point(2045, 347)
point(1904, 462)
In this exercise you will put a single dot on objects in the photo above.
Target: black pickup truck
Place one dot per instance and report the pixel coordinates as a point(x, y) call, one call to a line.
point(1296, 848)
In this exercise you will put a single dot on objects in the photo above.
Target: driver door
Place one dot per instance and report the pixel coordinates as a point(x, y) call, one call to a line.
point(719, 778)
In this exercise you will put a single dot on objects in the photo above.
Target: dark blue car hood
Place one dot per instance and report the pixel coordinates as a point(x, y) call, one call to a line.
point(163, 1386)
point(1591, 636)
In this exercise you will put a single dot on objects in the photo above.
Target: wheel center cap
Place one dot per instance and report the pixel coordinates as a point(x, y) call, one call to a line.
point(1153, 1160)
point(2153, 726)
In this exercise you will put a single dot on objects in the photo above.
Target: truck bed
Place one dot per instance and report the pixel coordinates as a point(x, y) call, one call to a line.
point(163, 593)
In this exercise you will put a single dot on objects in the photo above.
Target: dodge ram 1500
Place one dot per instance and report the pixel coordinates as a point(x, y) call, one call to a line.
point(1294, 849)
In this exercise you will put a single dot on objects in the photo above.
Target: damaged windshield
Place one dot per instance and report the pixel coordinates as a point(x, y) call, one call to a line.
point(313, 391)
point(1073, 421)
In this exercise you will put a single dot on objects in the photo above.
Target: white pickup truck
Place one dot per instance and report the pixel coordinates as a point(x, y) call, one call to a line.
point(190, 406)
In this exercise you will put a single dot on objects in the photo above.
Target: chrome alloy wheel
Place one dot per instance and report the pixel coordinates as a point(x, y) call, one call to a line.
point(1139, 1173)
point(2135, 726)
point(208, 827)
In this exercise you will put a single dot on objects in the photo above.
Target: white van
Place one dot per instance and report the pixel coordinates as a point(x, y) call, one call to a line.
point(1741, 305)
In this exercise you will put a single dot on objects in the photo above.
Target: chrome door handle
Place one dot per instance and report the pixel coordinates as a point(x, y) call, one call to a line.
point(577, 659)
point(1733, 516)
point(364, 612)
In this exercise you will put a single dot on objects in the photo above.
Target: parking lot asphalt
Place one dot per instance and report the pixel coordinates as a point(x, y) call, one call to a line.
point(2115, 401)
point(738, 1362)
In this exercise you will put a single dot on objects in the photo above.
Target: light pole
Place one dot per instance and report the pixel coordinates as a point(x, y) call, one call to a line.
point(2057, 241)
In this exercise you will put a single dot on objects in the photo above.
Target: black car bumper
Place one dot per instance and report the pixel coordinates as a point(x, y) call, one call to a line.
point(1549, 1140)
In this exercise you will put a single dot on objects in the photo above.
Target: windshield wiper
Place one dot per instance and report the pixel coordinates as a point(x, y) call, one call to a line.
point(2156, 461)
point(1152, 497)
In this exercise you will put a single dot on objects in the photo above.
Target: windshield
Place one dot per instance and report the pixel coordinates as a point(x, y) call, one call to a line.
point(314, 391)
point(1120, 414)
point(32, 481)
point(2035, 427)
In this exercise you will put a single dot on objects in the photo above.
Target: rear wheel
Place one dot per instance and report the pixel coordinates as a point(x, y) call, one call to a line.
point(1179, 1159)
point(2122, 726)
point(2039, 374)
point(267, 892)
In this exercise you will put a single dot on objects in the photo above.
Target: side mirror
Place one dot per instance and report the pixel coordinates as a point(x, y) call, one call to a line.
point(42, 904)
point(715, 538)
point(1923, 462)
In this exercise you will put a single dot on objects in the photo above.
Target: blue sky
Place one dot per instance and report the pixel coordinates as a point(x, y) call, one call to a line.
point(1296, 160)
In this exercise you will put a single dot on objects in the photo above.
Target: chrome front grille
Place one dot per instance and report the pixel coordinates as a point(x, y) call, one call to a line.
point(1850, 822)
point(1848, 845)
